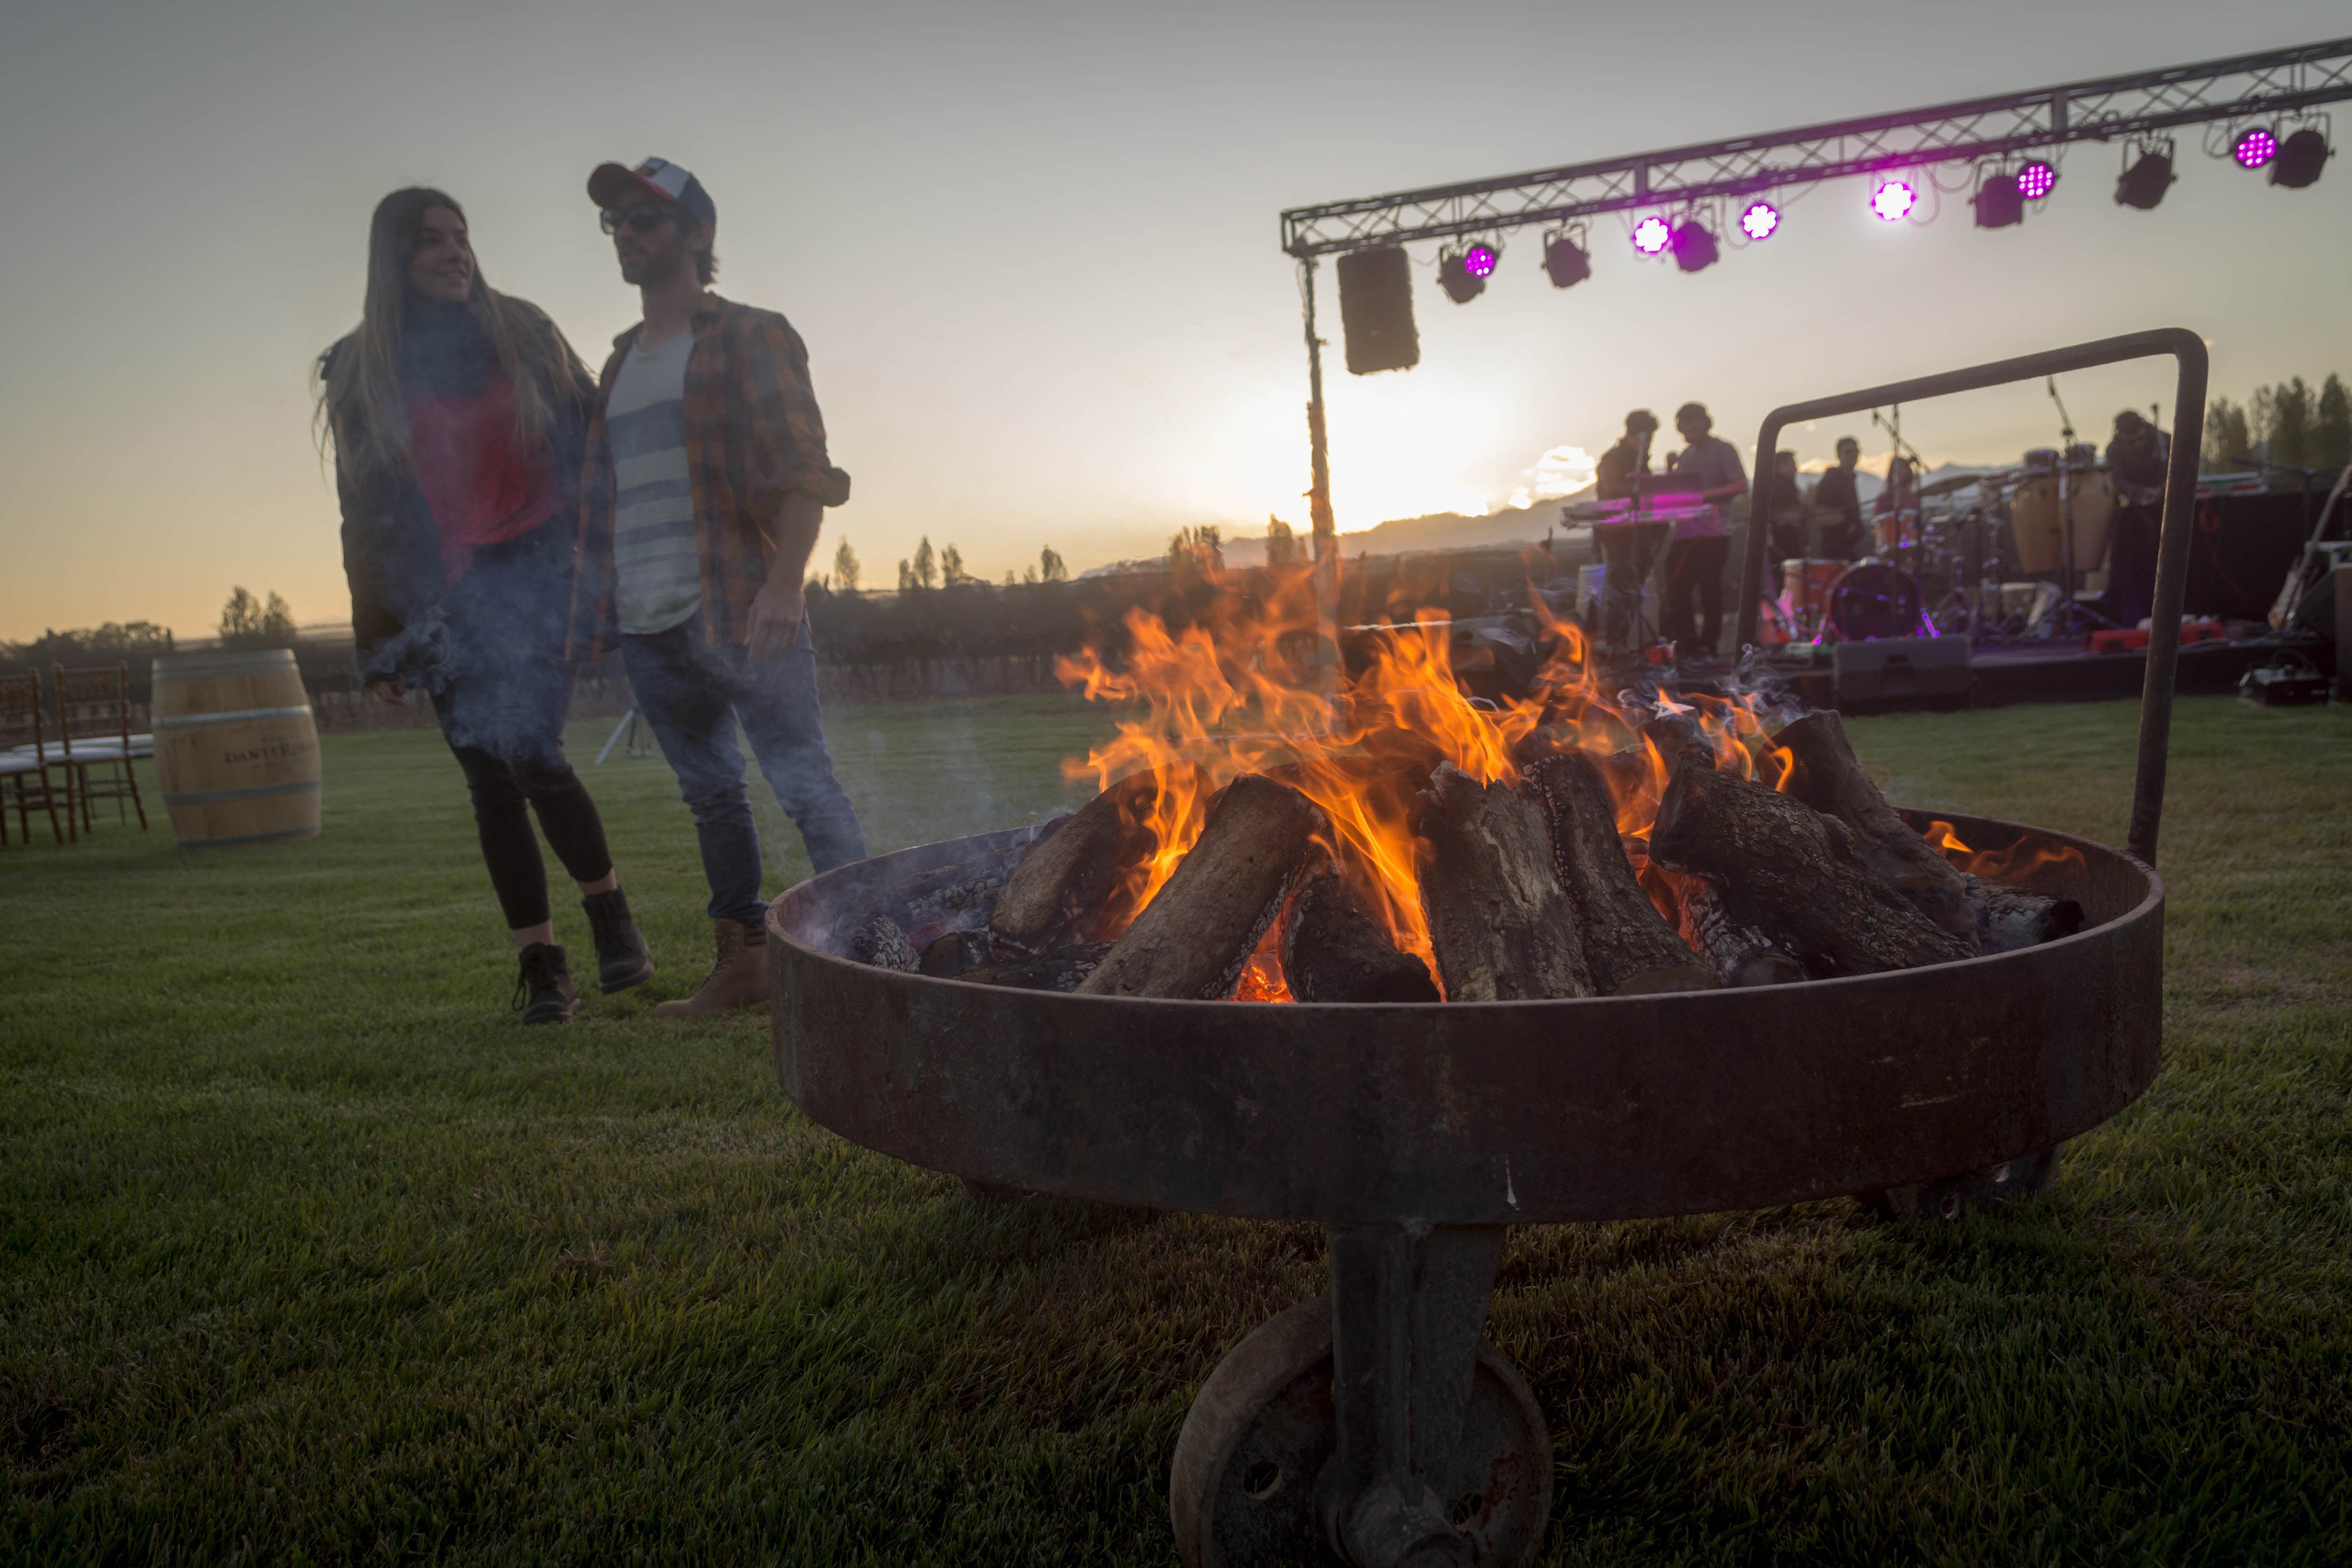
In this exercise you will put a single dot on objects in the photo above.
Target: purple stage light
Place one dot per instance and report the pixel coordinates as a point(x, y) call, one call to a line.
point(1760, 220)
point(2254, 148)
point(1651, 236)
point(1479, 260)
point(1893, 200)
point(2036, 180)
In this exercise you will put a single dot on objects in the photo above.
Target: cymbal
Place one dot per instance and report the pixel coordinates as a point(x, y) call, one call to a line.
point(1956, 482)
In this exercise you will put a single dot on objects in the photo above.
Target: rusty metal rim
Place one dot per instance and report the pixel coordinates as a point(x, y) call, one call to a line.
point(2153, 897)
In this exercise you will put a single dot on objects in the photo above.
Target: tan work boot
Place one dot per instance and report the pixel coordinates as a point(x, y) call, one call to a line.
point(738, 979)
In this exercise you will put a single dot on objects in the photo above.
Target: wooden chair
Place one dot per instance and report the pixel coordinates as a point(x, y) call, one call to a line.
point(94, 732)
point(27, 756)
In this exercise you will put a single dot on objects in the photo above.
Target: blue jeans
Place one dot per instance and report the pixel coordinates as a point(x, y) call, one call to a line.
point(693, 695)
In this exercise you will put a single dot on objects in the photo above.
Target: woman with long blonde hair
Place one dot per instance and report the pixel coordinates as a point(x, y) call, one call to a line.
point(459, 417)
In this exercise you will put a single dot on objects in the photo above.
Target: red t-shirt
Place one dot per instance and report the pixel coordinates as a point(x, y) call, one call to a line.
point(482, 488)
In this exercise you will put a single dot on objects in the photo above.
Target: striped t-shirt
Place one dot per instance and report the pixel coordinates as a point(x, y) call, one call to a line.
point(658, 569)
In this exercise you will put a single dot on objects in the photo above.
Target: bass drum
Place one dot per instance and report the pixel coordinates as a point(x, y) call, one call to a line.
point(1873, 600)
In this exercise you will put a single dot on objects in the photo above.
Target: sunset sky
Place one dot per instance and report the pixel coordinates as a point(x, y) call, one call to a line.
point(1034, 248)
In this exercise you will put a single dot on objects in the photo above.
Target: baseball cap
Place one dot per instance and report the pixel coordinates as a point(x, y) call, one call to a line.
point(611, 186)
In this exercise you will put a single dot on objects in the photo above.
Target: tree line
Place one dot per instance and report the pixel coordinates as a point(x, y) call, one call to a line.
point(2288, 425)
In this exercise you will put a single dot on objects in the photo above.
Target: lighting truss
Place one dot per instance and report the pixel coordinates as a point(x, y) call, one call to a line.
point(2113, 109)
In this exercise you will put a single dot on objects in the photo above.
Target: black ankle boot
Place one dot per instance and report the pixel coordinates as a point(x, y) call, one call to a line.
point(543, 990)
point(623, 959)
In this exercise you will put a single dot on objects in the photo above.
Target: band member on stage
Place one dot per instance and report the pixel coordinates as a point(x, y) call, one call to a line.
point(1628, 549)
point(1702, 545)
point(1785, 506)
point(1841, 540)
point(2137, 458)
point(458, 415)
point(707, 484)
point(1897, 509)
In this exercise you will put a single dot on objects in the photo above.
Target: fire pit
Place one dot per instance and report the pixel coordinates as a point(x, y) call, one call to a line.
point(1416, 1131)
point(1375, 1428)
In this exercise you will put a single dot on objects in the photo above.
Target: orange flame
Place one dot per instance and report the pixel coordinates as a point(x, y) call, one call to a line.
point(1236, 690)
point(2014, 864)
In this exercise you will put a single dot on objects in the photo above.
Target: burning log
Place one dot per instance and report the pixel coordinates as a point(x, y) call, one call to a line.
point(880, 942)
point(1071, 867)
point(1737, 952)
point(1062, 969)
point(1501, 925)
point(1801, 878)
point(2010, 918)
point(1197, 933)
point(1627, 944)
point(1678, 741)
point(957, 952)
point(1827, 776)
point(1334, 948)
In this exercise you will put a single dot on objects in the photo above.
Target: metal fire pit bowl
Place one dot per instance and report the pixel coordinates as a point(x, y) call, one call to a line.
point(1416, 1132)
point(1374, 1428)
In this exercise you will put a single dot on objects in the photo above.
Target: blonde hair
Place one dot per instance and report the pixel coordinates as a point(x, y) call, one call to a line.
point(359, 403)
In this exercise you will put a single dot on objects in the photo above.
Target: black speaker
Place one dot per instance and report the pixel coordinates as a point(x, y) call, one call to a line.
point(1376, 310)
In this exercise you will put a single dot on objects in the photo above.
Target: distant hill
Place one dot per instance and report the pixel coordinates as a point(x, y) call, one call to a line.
point(1455, 530)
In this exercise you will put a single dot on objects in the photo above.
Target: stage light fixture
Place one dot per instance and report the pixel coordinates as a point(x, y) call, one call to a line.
point(2144, 183)
point(2000, 202)
point(1480, 258)
point(1893, 200)
point(2301, 157)
point(2036, 181)
point(1454, 274)
point(1760, 220)
point(1651, 236)
point(1695, 246)
point(1566, 262)
point(2254, 148)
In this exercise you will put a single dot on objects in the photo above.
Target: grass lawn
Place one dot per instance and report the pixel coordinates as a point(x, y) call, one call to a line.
point(308, 1253)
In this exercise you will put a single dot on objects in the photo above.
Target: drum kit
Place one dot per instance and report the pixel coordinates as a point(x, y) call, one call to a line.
point(1999, 552)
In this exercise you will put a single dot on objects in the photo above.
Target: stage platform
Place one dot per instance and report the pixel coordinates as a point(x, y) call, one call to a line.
point(2006, 672)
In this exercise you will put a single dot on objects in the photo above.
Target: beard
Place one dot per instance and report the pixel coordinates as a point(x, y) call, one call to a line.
point(653, 268)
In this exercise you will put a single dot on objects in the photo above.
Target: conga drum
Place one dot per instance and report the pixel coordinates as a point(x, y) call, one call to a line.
point(2093, 502)
point(2035, 525)
point(237, 752)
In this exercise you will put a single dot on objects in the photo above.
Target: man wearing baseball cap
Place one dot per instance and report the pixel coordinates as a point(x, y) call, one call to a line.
point(705, 484)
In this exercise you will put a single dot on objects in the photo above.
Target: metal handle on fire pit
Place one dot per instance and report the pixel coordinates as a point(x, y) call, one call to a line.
point(2172, 545)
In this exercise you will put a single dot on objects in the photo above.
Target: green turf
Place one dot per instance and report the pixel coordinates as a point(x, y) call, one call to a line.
point(308, 1253)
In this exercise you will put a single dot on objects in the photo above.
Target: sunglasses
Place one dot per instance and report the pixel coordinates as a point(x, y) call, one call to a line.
point(642, 218)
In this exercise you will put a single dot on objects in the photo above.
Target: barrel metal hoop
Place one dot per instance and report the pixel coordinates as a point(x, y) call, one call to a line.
point(207, 798)
point(190, 720)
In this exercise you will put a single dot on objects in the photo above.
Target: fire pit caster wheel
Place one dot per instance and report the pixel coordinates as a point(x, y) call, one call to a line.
point(1265, 1474)
point(1957, 1197)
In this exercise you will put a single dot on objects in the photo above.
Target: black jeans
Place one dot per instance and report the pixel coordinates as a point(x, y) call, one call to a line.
point(1695, 566)
point(694, 695)
point(506, 728)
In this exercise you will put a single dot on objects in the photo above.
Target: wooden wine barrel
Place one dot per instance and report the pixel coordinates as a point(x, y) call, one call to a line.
point(237, 752)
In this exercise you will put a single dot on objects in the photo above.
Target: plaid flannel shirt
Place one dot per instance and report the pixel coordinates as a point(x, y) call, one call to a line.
point(753, 437)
